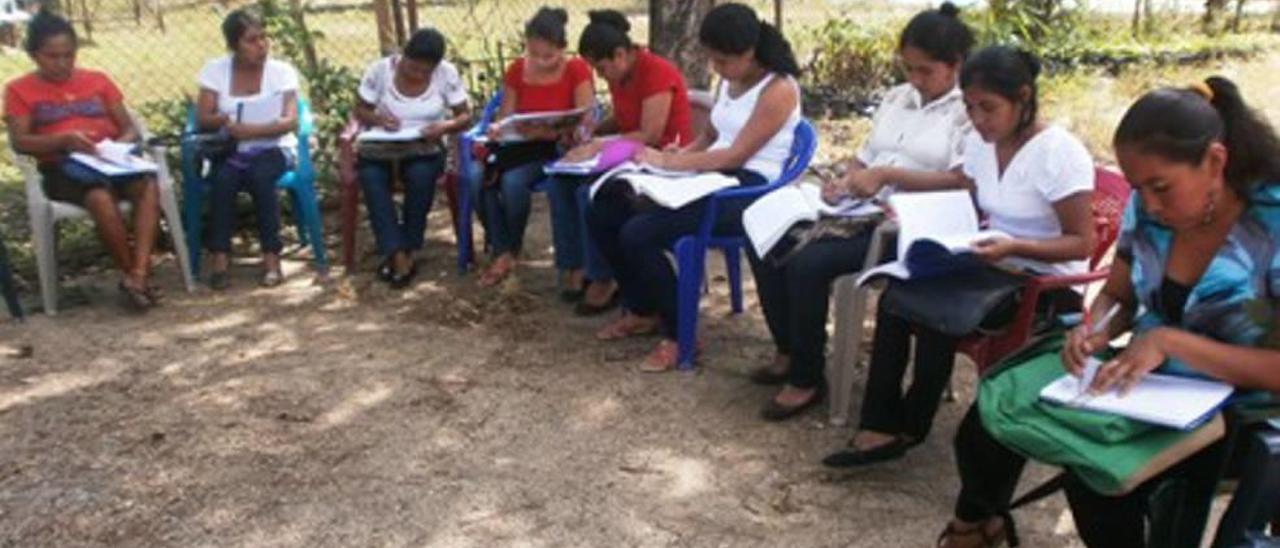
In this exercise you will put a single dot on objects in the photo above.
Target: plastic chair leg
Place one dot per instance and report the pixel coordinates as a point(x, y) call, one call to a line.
point(7, 286)
point(300, 221)
point(349, 216)
point(193, 220)
point(42, 231)
point(169, 206)
point(309, 221)
point(733, 265)
point(850, 311)
point(465, 249)
point(690, 260)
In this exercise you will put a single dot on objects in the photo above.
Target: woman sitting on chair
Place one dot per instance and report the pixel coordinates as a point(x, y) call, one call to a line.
point(916, 144)
point(752, 127)
point(1196, 278)
point(650, 106)
point(230, 86)
point(544, 79)
point(59, 109)
point(414, 89)
point(1035, 183)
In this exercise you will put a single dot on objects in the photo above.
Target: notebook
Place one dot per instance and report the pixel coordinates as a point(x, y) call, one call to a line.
point(557, 119)
point(381, 135)
point(260, 110)
point(936, 235)
point(1181, 403)
point(667, 188)
point(769, 218)
point(612, 154)
point(115, 159)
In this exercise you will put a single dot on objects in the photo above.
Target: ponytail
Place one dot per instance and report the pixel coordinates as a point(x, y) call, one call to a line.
point(1179, 124)
point(736, 29)
point(1005, 71)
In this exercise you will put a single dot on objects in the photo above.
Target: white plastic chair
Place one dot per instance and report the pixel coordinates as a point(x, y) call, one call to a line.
point(45, 214)
point(850, 312)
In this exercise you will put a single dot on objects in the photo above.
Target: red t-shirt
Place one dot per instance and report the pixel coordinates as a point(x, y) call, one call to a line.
point(556, 95)
point(650, 76)
point(81, 103)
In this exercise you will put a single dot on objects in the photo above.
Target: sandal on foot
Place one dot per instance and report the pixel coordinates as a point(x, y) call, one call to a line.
point(134, 299)
point(384, 270)
point(768, 376)
point(401, 281)
point(852, 456)
point(625, 327)
point(776, 412)
point(1001, 537)
point(664, 357)
point(271, 278)
point(585, 308)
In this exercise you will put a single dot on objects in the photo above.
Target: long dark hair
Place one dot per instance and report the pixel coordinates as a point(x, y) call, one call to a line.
point(605, 34)
point(1179, 124)
point(736, 29)
point(1005, 71)
point(46, 25)
point(548, 24)
point(939, 33)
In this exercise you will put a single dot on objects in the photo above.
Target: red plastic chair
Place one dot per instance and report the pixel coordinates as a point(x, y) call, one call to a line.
point(1111, 193)
point(349, 190)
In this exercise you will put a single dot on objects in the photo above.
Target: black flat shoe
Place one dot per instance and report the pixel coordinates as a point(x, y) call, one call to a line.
point(585, 308)
point(572, 295)
point(851, 457)
point(384, 270)
point(766, 376)
point(776, 412)
point(401, 281)
point(134, 300)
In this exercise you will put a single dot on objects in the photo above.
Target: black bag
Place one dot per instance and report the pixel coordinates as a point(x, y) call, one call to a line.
point(211, 146)
point(954, 305)
point(506, 157)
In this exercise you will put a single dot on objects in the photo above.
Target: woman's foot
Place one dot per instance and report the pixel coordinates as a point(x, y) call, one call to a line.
point(572, 286)
point(870, 447)
point(599, 297)
point(628, 325)
point(219, 278)
point(271, 274)
point(664, 357)
point(789, 402)
point(133, 294)
point(403, 270)
point(987, 534)
point(774, 373)
point(498, 270)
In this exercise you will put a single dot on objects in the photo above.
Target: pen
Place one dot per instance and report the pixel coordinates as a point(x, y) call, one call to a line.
point(1091, 368)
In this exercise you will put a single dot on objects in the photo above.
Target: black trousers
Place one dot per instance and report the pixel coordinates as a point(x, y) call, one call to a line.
point(795, 298)
point(886, 407)
point(989, 474)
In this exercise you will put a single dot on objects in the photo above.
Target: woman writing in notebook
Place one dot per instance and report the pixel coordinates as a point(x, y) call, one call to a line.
point(752, 127)
point(416, 88)
point(916, 144)
point(1196, 278)
point(650, 106)
point(247, 80)
point(1034, 182)
point(543, 80)
point(59, 109)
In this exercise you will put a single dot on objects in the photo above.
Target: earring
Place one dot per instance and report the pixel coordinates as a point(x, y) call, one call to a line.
point(1210, 208)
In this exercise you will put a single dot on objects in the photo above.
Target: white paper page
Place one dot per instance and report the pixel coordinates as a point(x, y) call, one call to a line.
point(767, 220)
point(674, 193)
point(262, 110)
point(895, 269)
point(932, 215)
point(114, 159)
point(506, 127)
point(959, 243)
point(1166, 400)
point(404, 134)
point(574, 168)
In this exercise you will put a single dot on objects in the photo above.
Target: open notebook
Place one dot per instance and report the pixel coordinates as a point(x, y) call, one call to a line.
point(405, 134)
point(556, 119)
point(667, 188)
point(612, 154)
point(114, 159)
point(937, 231)
point(1166, 400)
point(769, 218)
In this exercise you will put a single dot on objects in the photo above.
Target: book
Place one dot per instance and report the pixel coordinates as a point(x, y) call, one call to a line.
point(260, 110)
point(936, 236)
point(667, 188)
point(508, 131)
point(115, 159)
point(769, 218)
point(612, 154)
point(1182, 403)
point(405, 134)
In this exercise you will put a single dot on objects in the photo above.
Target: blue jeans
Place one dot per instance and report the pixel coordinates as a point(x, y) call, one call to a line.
point(418, 176)
point(569, 199)
point(259, 180)
point(504, 207)
point(635, 242)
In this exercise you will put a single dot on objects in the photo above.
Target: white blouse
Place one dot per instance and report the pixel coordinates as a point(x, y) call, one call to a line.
point(445, 91)
point(910, 134)
point(1050, 167)
point(730, 114)
point(278, 77)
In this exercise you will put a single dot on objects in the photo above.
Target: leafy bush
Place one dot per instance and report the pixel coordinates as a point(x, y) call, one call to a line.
point(849, 63)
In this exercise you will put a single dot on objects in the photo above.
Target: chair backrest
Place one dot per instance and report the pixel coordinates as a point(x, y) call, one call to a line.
point(490, 110)
point(1110, 195)
point(803, 147)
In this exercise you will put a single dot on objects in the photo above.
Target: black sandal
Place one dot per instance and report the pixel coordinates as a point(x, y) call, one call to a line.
point(401, 281)
point(769, 376)
point(853, 457)
point(1003, 536)
point(136, 300)
point(384, 270)
point(776, 412)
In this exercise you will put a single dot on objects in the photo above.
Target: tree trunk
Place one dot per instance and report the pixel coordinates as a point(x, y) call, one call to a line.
point(1235, 21)
point(673, 33)
point(308, 45)
point(386, 30)
point(1137, 18)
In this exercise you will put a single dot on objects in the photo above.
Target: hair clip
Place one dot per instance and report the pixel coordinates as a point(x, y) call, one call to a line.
point(1202, 89)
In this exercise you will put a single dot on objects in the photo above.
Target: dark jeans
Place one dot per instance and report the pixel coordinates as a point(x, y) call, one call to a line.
point(504, 207)
point(259, 180)
point(989, 474)
point(795, 297)
point(634, 240)
point(418, 176)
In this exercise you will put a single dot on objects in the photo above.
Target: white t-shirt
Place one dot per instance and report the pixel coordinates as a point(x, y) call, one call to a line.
point(1050, 167)
point(909, 134)
point(278, 77)
point(445, 91)
point(730, 115)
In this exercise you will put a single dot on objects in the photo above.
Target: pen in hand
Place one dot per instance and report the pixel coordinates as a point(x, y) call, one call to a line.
point(1092, 365)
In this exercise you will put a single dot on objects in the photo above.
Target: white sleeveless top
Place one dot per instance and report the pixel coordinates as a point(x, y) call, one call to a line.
point(730, 115)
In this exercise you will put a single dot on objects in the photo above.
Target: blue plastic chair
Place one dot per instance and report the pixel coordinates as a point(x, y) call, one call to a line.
point(468, 174)
point(7, 286)
point(691, 250)
point(299, 181)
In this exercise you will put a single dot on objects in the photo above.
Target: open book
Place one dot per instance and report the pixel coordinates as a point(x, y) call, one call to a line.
point(937, 231)
point(555, 119)
point(114, 159)
point(405, 134)
point(1166, 400)
point(612, 154)
point(769, 218)
point(667, 188)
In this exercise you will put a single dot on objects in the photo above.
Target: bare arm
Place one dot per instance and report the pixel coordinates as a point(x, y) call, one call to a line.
point(775, 105)
point(287, 123)
point(207, 116)
point(915, 180)
point(26, 142)
point(654, 112)
point(1076, 242)
point(128, 132)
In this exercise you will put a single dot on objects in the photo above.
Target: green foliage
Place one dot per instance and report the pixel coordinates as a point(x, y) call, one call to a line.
point(850, 59)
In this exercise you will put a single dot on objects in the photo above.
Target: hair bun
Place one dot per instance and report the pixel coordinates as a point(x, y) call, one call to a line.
point(612, 18)
point(561, 16)
point(1032, 62)
point(950, 10)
